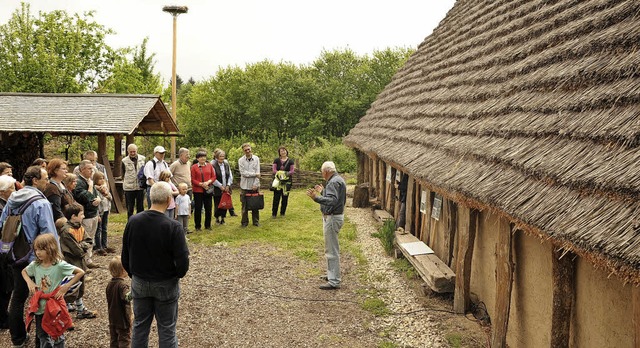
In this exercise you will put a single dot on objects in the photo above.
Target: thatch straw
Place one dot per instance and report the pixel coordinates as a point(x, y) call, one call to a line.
point(532, 110)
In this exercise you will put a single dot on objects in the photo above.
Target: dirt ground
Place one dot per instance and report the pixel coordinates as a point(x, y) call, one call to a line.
point(259, 296)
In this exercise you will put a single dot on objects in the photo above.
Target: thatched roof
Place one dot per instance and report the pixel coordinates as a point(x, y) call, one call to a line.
point(85, 113)
point(530, 109)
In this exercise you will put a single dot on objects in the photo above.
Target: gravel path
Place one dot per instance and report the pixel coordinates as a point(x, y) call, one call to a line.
point(260, 296)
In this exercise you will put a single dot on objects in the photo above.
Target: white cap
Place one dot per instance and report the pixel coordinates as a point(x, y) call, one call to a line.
point(159, 149)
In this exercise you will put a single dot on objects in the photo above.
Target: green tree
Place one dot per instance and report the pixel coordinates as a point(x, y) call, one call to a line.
point(53, 52)
point(133, 73)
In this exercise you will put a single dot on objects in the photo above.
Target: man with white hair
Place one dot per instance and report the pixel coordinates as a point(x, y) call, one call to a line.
point(155, 255)
point(332, 199)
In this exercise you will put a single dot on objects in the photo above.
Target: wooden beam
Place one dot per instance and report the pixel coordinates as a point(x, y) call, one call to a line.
point(417, 221)
point(361, 166)
point(504, 279)
point(635, 293)
point(466, 239)
point(375, 183)
point(381, 177)
point(116, 199)
point(563, 295)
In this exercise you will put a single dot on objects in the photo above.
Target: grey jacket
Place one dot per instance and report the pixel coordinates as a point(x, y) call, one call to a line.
point(334, 196)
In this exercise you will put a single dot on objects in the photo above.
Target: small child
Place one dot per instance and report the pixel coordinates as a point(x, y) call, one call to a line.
point(74, 244)
point(48, 270)
point(102, 189)
point(119, 304)
point(165, 175)
point(183, 204)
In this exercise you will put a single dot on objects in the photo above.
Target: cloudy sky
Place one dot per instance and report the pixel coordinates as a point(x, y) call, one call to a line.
point(216, 34)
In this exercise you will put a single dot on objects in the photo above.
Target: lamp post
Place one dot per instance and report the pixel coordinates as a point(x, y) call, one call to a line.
point(174, 11)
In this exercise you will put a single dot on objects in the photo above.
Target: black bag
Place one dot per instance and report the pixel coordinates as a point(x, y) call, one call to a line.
point(142, 179)
point(14, 246)
point(254, 201)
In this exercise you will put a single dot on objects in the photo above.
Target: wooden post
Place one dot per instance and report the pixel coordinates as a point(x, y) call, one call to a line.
point(417, 221)
point(451, 227)
point(375, 183)
point(102, 148)
point(389, 188)
point(117, 201)
point(635, 293)
point(396, 197)
point(361, 166)
point(466, 239)
point(382, 174)
point(563, 295)
point(117, 155)
point(410, 206)
point(504, 279)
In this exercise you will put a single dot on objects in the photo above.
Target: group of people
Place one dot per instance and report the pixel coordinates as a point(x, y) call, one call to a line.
point(65, 219)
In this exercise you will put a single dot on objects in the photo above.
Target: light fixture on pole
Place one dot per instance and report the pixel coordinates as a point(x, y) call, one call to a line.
point(174, 11)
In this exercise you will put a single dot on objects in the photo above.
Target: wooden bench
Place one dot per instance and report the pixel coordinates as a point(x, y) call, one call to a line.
point(438, 276)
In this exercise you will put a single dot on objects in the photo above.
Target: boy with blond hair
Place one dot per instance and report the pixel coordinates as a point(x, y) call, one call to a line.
point(119, 305)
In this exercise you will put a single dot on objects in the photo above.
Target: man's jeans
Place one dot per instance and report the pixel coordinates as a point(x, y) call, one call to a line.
point(159, 299)
point(101, 232)
point(331, 226)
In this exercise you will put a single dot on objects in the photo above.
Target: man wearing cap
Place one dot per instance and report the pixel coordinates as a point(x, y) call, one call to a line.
point(153, 168)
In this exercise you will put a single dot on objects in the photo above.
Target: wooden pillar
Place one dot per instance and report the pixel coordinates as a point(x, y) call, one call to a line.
point(361, 166)
point(117, 155)
point(504, 280)
point(102, 148)
point(417, 221)
point(451, 210)
point(130, 139)
point(382, 173)
point(635, 293)
point(410, 206)
point(375, 183)
point(466, 239)
point(563, 295)
point(396, 196)
point(389, 190)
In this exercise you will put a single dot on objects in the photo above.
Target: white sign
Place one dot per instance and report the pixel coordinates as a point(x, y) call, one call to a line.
point(423, 202)
point(437, 207)
point(417, 248)
point(123, 146)
point(388, 173)
point(398, 176)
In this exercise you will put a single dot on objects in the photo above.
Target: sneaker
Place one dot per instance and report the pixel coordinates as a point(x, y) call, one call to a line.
point(256, 224)
point(100, 252)
point(110, 250)
point(222, 222)
point(274, 216)
point(85, 314)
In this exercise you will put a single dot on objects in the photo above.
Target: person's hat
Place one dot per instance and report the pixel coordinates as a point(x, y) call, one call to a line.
point(159, 149)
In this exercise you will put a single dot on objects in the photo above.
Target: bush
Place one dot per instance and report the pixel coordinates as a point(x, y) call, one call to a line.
point(344, 158)
point(386, 235)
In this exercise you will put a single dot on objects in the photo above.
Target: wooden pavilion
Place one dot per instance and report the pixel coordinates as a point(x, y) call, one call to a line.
point(26, 117)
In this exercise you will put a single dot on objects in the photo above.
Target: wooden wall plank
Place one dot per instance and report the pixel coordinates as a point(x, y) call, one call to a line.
point(563, 296)
point(117, 155)
point(381, 178)
point(504, 280)
point(466, 239)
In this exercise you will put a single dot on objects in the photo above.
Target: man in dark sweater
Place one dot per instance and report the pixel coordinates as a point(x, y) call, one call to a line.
point(155, 255)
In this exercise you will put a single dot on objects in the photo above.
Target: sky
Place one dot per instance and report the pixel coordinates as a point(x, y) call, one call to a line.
point(215, 34)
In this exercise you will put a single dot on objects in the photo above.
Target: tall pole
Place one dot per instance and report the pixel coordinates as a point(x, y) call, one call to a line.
point(174, 87)
point(174, 11)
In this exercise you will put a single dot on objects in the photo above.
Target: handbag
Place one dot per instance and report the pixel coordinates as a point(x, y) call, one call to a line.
point(225, 201)
point(254, 201)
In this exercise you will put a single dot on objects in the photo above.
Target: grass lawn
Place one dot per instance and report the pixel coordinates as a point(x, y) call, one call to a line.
point(299, 233)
